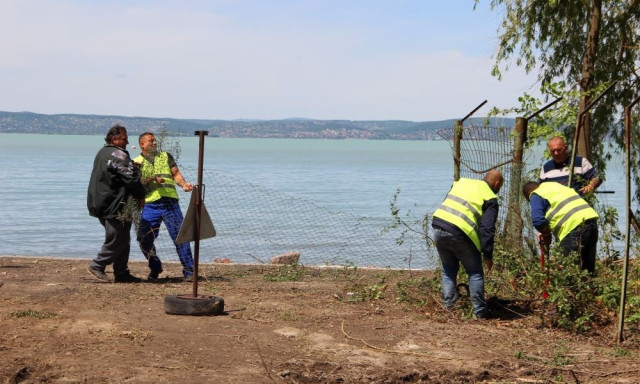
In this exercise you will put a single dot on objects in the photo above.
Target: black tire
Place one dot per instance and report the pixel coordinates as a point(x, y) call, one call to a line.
point(193, 306)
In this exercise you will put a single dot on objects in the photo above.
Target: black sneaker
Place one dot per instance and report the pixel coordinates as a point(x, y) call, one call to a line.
point(127, 278)
point(154, 276)
point(100, 275)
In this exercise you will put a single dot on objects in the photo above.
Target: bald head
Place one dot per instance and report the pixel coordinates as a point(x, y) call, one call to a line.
point(558, 149)
point(494, 179)
point(528, 188)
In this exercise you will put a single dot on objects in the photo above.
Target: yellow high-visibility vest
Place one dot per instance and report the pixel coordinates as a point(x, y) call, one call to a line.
point(463, 206)
point(568, 210)
point(159, 168)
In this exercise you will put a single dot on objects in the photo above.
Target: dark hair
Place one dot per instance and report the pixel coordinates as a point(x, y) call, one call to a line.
point(143, 135)
point(529, 187)
point(114, 133)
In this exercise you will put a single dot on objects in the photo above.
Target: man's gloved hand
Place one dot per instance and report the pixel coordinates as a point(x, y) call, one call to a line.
point(545, 238)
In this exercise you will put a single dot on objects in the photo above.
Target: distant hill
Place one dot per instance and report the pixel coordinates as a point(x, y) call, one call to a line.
point(71, 124)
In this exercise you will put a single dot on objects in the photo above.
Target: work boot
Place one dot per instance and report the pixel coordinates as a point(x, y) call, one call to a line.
point(154, 275)
point(127, 278)
point(100, 275)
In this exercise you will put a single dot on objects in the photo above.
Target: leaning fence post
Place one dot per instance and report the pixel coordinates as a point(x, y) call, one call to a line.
point(513, 225)
point(625, 268)
point(457, 138)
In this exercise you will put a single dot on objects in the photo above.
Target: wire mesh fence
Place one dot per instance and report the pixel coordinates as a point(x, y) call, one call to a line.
point(486, 147)
point(254, 223)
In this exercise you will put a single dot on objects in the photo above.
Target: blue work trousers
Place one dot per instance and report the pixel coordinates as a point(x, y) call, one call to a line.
point(453, 250)
point(165, 210)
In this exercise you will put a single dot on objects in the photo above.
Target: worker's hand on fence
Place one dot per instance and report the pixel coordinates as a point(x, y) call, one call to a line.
point(187, 187)
point(587, 189)
point(141, 203)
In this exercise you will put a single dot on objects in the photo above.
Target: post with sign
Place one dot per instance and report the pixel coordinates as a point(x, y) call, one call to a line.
point(196, 225)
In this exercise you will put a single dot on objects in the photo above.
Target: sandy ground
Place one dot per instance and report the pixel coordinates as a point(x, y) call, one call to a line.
point(58, 324)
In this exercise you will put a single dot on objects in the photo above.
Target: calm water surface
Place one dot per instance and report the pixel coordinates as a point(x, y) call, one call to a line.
point(46, 176)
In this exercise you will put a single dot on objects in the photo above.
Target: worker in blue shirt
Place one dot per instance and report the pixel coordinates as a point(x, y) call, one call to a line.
point(559, 210)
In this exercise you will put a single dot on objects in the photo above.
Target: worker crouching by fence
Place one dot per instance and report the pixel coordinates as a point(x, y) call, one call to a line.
point(464, 227)
point(558, 209)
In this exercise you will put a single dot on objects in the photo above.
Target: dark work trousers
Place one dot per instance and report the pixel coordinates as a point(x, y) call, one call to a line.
point(584, 240)
point(115, 250)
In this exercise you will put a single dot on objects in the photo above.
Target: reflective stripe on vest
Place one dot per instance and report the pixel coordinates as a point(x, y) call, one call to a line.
point(463, 206)
point(568, 210)
point(159, 168)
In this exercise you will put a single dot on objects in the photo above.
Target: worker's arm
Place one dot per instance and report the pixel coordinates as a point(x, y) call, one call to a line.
point(593, 184)
point(590, 173)
point(488, 227)
point(179, 179)
point(539, 208)
point(177, 176)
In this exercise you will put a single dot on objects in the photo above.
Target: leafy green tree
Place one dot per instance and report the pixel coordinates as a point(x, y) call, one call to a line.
point(583, 43)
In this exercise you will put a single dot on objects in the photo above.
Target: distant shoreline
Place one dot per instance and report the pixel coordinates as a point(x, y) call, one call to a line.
point(71, 124)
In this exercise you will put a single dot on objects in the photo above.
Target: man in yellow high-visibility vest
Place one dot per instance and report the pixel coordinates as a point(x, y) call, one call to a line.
point(558, 209)
point(160, 175)
point(464, 231)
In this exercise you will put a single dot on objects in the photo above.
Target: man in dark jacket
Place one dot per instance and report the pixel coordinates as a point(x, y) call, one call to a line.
point(114, 178)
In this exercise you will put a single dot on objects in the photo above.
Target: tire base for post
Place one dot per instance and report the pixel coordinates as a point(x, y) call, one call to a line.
point(193, 306)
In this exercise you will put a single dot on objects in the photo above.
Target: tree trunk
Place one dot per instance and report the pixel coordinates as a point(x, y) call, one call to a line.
point(587, 81)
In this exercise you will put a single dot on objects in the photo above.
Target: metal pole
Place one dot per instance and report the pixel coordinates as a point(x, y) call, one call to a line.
point(539, 111)
point(199, 199)
point(513, 227)
point(625, 268)
point(457, 138)
point(474, 111)
point(578, 128)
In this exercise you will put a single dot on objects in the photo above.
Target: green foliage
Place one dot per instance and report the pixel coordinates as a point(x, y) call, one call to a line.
point(620, 352)
point(577, 302)
point(573, 302)
point(34, 314)
point(130, 211)
point(536, 35)
point(600, 47)
point(560, 120)
point(608, 231)
point(286, 273)
point(418, 292)
point(407, 225)
point(359, 292)
point(560, 357)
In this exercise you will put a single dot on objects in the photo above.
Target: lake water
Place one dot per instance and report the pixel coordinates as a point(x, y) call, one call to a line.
point(328, 199)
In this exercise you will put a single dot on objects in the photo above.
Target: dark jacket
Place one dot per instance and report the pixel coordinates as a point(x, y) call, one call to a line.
point(113, 179)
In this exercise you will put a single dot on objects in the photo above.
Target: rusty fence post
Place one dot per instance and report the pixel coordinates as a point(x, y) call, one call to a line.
point(630, 217)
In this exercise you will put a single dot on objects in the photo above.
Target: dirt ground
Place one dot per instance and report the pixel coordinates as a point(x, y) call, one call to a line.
point(58, 324)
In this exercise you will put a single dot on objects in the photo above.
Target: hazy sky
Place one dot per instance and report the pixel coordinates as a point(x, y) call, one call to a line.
point(256, 59)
